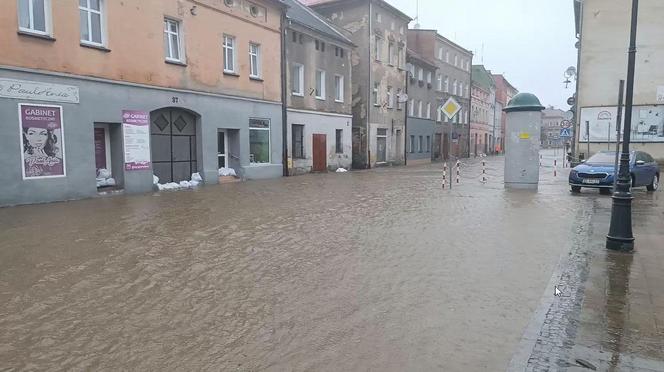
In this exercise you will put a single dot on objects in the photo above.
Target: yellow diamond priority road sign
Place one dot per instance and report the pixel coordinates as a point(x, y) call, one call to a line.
point(451, 108)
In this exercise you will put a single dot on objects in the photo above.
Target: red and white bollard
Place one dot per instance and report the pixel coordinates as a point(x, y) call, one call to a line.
point(483, 171)
point(555, 167)
point(540, 160)
point(444, 174)
point(458, 172)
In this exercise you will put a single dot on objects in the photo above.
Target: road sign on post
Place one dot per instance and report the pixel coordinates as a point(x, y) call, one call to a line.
point(451, 108)
point(565, 133)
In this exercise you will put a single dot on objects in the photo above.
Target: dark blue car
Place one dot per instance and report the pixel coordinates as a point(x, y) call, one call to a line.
point(598, 172)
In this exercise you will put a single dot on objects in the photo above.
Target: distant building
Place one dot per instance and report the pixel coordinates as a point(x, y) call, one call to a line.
point(504, 93)
point(483, 106)
point(452, 80)
point(319, 92)
point(379, 76)
point(552, 119)
point(603, 29)
point(422, 108)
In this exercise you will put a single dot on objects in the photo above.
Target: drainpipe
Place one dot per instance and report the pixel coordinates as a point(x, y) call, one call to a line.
point(284, 96)
point(369, 88)
point(405, 122)
point(470, 103)
point(577, 113)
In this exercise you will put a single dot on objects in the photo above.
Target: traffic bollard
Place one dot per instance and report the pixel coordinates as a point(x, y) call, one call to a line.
point(484, 171)
point(555, 167)
point(458, 172)
point(444, 174)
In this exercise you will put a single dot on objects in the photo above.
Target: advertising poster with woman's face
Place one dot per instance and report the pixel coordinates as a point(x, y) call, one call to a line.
point(42, 142)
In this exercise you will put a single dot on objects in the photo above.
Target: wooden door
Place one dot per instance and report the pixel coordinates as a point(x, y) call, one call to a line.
point(320, 153)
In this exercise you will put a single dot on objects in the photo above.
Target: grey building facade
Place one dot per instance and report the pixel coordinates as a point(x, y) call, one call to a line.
point(452, 80)
point(378, 67)
point(422, 109)
point(552, 119)
point(319, 95)
point(101, 103)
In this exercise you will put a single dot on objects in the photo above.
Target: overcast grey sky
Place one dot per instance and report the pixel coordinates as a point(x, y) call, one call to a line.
point(530, 41)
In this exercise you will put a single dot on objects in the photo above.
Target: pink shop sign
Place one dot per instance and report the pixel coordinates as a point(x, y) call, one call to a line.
point(136, 132)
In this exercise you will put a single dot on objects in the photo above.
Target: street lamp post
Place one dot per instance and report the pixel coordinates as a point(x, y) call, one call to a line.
point(620, 235)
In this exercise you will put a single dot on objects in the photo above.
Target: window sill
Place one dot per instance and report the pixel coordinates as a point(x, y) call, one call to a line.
point(260, 165)
point(256, 78)
point(231, 73)
point(320, 98)
point(337, 101)
point(93, 46)
point(35, 35)
point(175, 62)
point(298, 94)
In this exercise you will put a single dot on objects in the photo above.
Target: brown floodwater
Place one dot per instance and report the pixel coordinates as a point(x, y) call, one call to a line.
point(378, 270)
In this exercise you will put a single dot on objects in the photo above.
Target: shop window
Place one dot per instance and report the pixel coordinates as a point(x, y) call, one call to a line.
point(339, 144)
point(298, 141)
point(259, 141)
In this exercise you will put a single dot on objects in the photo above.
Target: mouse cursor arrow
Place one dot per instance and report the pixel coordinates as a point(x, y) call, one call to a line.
point(557, 292)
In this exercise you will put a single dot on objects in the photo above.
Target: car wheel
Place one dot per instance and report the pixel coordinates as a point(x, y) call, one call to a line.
point(654, 185)
point(576, 189)
point(605, 191)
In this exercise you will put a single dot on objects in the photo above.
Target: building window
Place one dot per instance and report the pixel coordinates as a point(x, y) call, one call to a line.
point(428, 143)
point(411, 108)
point(294, 36)
point(322, 46)
point(439, 114)
point(428, 77)
point(297, 80)
point(338, 52)
point(412, 144)
point(374, 94)
point(399, 103)
point(378, 48)
point(447, 57)
point(317, 44)
point(320, 84)
point(338, 88)
point(259, 141)
point(34, 16)
point(419, 144)
point(172, 41)
point(440, 54)
point(461, 88)
point(378, 18)
point(254, 60)
point(420, 74)
point(439, 82)
point(447, 84)
point(92, 21)
point(400, 58)
point(428, 110)
point(467, 91)
point(229, 53)
point(456, 60)
point(419, 109)
point(339, 144)
point(454, 87)
point(298, 141)
point(390, 53)
point(390, 98)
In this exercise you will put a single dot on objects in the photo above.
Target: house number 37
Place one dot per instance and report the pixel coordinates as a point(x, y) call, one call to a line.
point(175, 100)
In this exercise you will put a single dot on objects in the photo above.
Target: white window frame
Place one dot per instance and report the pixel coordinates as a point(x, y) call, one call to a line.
point(440, 53)
point(447, 84)
point(378, 41)
point(399, 103)
point(428, 110)
point(375, 96)
point(178, 34)
point(269, 142)
point(338, 88)
point(439, 114)
point(456, 60)
point(390, 98)
point(411, 108)
point(31, 14)
point(428, 77)
point(300, 87)
point(439, 82)
point(229, 49)
point(420, 73)
point(322, 75)
point(419, 109)
point(102, 22)
point(447, 56)
point(257, 55)
point(454, 87)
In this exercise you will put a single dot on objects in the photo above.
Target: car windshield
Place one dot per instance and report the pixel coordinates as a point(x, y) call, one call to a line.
point(602, 158)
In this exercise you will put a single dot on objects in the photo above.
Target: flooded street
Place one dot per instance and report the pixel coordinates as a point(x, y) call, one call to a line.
point(378, 270)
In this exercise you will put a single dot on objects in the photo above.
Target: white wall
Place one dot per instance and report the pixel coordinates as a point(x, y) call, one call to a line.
point(321, 123)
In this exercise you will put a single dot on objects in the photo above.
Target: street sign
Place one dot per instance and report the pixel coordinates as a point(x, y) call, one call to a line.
point(402, 98)
point(565, 133)
point(571, 101)
point(566, 124)
point(451, 108)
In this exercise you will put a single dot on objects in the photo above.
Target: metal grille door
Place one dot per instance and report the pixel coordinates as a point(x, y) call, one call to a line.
point(173, 136)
